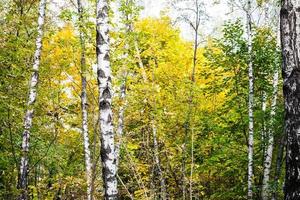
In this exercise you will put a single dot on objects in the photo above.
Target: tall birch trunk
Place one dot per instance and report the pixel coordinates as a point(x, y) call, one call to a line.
point(263, 130)
point(270, 142)
point(108, 155)
point(250, 104)
point(190, 106)
point(120, 128)
point(84, 105)
point(33, 83)
point(290, 42)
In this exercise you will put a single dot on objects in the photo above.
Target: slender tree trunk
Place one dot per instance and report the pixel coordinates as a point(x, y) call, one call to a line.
point(123, 91)
point(84, 105)
point(250, 104)
point(290, 41)
point(163, 191)
point(263, 131)
point(192, 167)
point(270, 142)
point(108, 155)
point(154, 129)
point(190, 106)
point(279, 161)
point(24, 168)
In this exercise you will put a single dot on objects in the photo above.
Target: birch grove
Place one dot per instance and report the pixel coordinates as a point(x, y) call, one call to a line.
point(177, 99)
point(33, 83)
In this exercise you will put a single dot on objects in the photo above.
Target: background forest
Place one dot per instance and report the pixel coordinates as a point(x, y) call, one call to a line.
point(182, 109)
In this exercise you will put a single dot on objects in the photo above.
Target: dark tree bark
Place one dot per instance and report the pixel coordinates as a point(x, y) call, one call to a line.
point(290, 41)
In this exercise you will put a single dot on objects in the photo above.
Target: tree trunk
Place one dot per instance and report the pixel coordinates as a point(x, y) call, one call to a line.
point(290, 41)
point(84, 105)
point(279, 161)
point(187, 124)
point(263, 130)
point(250, 104)
point(270, 142)
point(24, 168)
point(123, 90)
point(108, 155)
point(163, 190)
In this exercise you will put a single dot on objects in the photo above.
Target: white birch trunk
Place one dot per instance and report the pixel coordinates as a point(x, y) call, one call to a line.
point(270, 143)
point(120, 128)
point(84, 106)
point(250, 104)
point(24, 168)
point(108, 155)
point(264, 108)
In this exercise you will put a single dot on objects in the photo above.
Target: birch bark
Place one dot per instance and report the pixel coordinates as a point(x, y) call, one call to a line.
point(250, 103)
point(270, 142)
point(108, 156)
point(33, 83)
point(290, 42)
point(123, 90)
point(84, 105)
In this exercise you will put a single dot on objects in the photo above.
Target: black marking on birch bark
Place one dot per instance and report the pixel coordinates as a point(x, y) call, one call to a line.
point(109, 118)
point(101, 73)
point(109, 79)
point(104, 105)
point(100, 39)
point(97, 47)
point(110, 178)
point(104, 157)
point(105, 152)
point(106, 57)
point(102, 13)
point(106, 94)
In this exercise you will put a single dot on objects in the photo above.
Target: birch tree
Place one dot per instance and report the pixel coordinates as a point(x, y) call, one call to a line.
point(270, 142)
point(33, 83)
point(290, 41)
point(251, 102)
point(84, 104)
point(268, 155)
point(126, 10)
point(104, 78)
point(247, 8)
